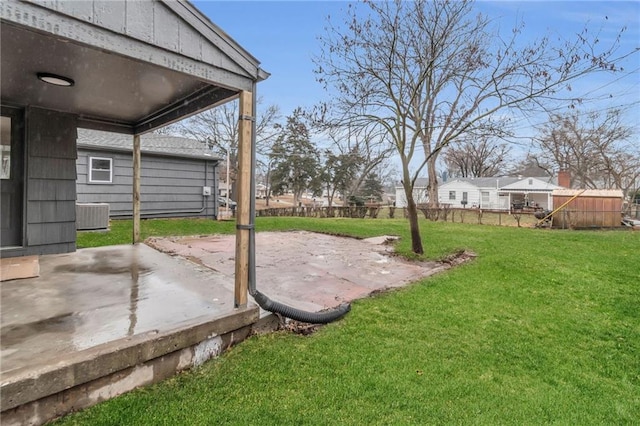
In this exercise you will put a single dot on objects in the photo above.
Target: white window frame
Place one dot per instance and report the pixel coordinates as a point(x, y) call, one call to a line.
point(485, 198)
point(90, 170)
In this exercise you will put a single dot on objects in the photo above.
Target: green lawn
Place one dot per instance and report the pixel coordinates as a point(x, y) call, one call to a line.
point(543, 327)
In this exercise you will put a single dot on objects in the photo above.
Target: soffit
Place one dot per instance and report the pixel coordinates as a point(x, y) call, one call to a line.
point(122, 84)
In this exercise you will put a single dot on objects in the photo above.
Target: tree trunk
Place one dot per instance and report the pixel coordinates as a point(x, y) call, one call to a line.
point(296, 197)
point(433, 183)
point(267, 191)
point(412, 212)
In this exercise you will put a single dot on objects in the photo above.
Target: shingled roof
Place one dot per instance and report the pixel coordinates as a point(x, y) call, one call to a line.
point(150, 143)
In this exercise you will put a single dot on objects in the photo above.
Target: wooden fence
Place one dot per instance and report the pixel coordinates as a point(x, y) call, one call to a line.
point(334, 211)
point(443, 213)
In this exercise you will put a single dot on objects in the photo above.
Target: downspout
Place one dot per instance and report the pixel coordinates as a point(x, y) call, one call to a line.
point(261, 299)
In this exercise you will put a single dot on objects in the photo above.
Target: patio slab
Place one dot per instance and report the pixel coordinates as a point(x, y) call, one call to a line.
point(307, 270)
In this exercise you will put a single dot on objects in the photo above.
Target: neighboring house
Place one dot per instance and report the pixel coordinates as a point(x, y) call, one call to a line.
point(498, 193)
point(531, 192)
point(420, 194)
point(125, 67)
point(178, 175)
point(261, 190)
point(222, 189)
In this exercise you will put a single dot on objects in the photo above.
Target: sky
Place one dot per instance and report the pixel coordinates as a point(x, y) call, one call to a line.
point(282, 35)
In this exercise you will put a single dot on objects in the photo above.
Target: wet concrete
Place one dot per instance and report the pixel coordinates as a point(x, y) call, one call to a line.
point(94, 296)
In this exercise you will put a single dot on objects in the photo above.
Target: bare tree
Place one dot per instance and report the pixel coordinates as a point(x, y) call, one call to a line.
point(483, 157)
point(218, 129)
point(360, 150)
point(532, 165)
point(595, 148)
point(431, 71)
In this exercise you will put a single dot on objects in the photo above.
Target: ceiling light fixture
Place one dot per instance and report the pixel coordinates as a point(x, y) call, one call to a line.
point(56, 80)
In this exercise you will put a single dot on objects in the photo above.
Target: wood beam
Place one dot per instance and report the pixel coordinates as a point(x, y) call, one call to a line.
point(136, 189)
point(244, 200)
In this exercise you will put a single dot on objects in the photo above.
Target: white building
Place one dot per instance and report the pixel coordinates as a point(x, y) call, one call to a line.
point(496, 193)
point(420, 194)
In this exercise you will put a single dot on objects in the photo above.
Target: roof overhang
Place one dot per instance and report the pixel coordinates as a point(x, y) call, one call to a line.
point(128, 78)
point(522, 191)
point(145, 152)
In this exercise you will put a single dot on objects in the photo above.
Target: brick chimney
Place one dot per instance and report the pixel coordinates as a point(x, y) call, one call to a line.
point(564, 179)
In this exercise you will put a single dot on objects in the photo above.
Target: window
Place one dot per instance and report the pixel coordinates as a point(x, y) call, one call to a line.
point(5, 148)
point(100, 170)
point(530, 181)
point(452, 195)
point(486, 197)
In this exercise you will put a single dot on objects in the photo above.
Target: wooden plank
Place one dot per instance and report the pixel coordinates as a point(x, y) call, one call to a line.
point(244, 193)
point(136, 189)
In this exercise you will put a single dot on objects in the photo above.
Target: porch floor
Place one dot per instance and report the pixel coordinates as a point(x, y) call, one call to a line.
point(95, 296)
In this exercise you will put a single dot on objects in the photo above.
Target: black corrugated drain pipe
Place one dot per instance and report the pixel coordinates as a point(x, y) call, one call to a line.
point(261, 299)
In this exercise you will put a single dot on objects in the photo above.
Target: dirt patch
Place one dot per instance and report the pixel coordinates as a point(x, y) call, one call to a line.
point(458, 258)
point(297, 327)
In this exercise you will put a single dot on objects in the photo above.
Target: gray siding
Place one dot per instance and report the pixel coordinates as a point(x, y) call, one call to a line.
point(50, 182)
point(169, 186)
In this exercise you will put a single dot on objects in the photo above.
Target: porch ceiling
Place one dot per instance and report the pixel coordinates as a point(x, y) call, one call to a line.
point(111, 92)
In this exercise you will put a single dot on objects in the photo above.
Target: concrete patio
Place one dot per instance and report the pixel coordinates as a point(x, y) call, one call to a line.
point(100, 322)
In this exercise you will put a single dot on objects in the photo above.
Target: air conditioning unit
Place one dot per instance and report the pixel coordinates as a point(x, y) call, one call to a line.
point(92, 216)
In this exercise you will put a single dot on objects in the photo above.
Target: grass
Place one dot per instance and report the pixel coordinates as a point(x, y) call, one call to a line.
point(543, 327)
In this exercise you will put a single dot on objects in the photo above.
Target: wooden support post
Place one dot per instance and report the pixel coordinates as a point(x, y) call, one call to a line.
point(243, 194)
point(136, 189)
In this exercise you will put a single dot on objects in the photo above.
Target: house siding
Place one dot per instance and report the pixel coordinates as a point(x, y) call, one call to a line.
point(473, 194)
point(50, 183)
point(169, 186)
point(420, 194)
point(501, 192)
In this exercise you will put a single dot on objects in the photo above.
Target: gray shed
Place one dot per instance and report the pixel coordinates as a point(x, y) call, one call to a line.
point(179, 178)
point(121, 66)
